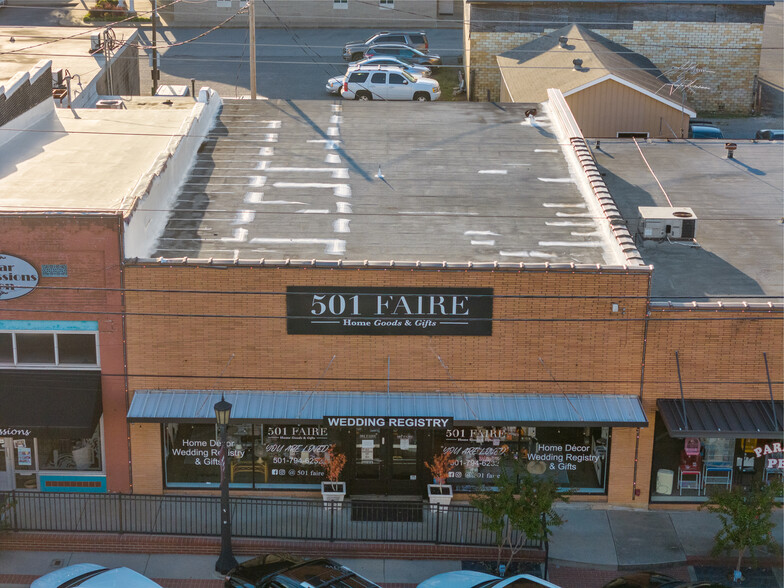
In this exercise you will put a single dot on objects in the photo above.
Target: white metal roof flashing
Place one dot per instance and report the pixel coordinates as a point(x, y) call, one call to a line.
point(367, 264)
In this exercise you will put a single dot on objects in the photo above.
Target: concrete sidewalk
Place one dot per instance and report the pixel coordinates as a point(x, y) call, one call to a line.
point(596, 544)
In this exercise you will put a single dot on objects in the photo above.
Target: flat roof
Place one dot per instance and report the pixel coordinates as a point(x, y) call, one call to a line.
point(84, 162)
point(67, 47)
point(738, 204)
point(400, 181)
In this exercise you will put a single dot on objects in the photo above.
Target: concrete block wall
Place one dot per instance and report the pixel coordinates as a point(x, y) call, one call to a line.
point(25, 91)
point(124, 74)
point(733, 64)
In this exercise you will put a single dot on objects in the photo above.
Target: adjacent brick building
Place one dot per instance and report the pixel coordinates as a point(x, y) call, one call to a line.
point(715, 44)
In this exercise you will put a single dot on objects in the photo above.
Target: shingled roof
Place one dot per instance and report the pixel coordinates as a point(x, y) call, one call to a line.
point(530, 69)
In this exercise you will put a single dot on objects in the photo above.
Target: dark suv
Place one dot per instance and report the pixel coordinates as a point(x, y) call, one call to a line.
point(354, 50)
point(284, 571)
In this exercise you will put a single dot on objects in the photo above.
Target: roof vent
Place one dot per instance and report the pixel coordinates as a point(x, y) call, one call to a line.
point(578, 64)
point(563, 41)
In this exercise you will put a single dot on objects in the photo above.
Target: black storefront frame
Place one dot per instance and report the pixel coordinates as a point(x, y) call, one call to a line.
point(428, 442)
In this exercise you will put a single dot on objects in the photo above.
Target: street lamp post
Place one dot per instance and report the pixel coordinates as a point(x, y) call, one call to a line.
point(226, 559)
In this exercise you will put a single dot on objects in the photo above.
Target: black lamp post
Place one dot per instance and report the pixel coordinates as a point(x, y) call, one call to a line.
point(226, 560)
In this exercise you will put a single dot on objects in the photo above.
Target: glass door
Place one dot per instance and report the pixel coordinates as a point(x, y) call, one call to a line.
point(6, 463)
point(369, 449)
point(385, 462)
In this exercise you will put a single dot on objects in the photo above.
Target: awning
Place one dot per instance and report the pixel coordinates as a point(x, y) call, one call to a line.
point(606, 410)
point(64, 403)
point(750, 419)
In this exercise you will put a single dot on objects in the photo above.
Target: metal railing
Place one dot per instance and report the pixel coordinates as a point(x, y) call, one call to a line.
point(270, 518)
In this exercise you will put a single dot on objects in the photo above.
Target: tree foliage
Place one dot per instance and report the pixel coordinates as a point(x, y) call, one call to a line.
point(745, 516)
point(521, 508)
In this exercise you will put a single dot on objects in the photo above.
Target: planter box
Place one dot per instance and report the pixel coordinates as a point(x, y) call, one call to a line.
point(439, 495)
point(333, 494)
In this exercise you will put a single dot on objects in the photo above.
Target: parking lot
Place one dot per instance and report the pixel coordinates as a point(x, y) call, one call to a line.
point(291, 64)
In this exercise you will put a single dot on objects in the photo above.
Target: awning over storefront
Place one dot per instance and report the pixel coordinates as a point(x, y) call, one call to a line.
point(63, 402)
point(750, 419)
point(301, 407)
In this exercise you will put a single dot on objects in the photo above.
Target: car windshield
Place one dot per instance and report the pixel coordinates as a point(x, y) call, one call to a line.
point(408, 76)
point(81, 578)
point(323, 573)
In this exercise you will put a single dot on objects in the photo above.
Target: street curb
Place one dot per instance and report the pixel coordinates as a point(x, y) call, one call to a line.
point(182, 544)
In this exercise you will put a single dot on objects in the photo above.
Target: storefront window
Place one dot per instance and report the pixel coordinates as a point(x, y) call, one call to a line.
point(57, 453)
point(260, 455)
point(576, 458)
point(691, 469)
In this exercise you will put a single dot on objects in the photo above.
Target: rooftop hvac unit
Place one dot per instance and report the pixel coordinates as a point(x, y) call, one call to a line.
point(659, 222)
point(118, 104)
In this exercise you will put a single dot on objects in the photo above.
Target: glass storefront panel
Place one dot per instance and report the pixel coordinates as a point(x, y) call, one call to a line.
point(58, 453)
point(691, 469)
point(576, 458)
point(260, 455)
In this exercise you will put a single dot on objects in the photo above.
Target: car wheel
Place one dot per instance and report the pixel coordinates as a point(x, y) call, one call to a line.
point(357, 56)
point(422, 97)
point(364, 96)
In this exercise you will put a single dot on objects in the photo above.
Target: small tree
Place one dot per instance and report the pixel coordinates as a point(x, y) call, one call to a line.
point(745, 520)
point(522, 508)
point(333, 463)
point(441, 466)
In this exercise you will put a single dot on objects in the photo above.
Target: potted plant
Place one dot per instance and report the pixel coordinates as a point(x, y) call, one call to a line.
point(332, 491)
point(440, 493)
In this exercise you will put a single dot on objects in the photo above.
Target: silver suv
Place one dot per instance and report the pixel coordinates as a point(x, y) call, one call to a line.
point(355, 50)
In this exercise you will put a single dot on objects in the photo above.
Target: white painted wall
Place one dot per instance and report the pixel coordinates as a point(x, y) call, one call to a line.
point(149, 204)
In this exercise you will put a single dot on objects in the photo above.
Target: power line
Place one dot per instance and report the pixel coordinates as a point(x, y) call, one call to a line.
point(348, 291)
point(171, 315)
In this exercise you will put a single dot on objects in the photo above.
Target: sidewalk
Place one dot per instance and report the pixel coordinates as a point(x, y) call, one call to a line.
point(596, 544)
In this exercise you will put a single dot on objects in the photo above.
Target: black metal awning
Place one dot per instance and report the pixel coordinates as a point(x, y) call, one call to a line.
point(61, 402)
point(752, 419)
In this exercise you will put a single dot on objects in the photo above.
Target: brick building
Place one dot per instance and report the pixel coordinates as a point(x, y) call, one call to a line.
point(722, 40)
point(63, 358)
point(561, 364)
point(471, 280)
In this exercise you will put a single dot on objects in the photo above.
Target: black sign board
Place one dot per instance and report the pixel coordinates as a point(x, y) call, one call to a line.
point(381, 422)
point(389, 311)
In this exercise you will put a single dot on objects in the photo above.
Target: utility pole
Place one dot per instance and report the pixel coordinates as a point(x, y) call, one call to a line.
point(155, 74)
point(252, 35)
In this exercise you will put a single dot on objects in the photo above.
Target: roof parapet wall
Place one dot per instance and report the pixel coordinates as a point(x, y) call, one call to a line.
point(616, 222)
point(385, 265)
point(25, 91)
point(157, 189)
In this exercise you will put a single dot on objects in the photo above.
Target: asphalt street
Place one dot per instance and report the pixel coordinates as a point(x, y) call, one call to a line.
point(290, 64)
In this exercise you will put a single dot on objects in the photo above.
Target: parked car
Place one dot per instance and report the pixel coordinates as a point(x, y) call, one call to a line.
point(705, 131)
point(388, 84)
point(769, 135)
point(278, 570)
point(354, 50)
point(417, 71)
point(402, 51)
point(93, 576)
point(471, 579)
point(656, 580)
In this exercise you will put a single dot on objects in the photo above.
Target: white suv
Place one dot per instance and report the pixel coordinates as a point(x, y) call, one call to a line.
point(388, 84)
